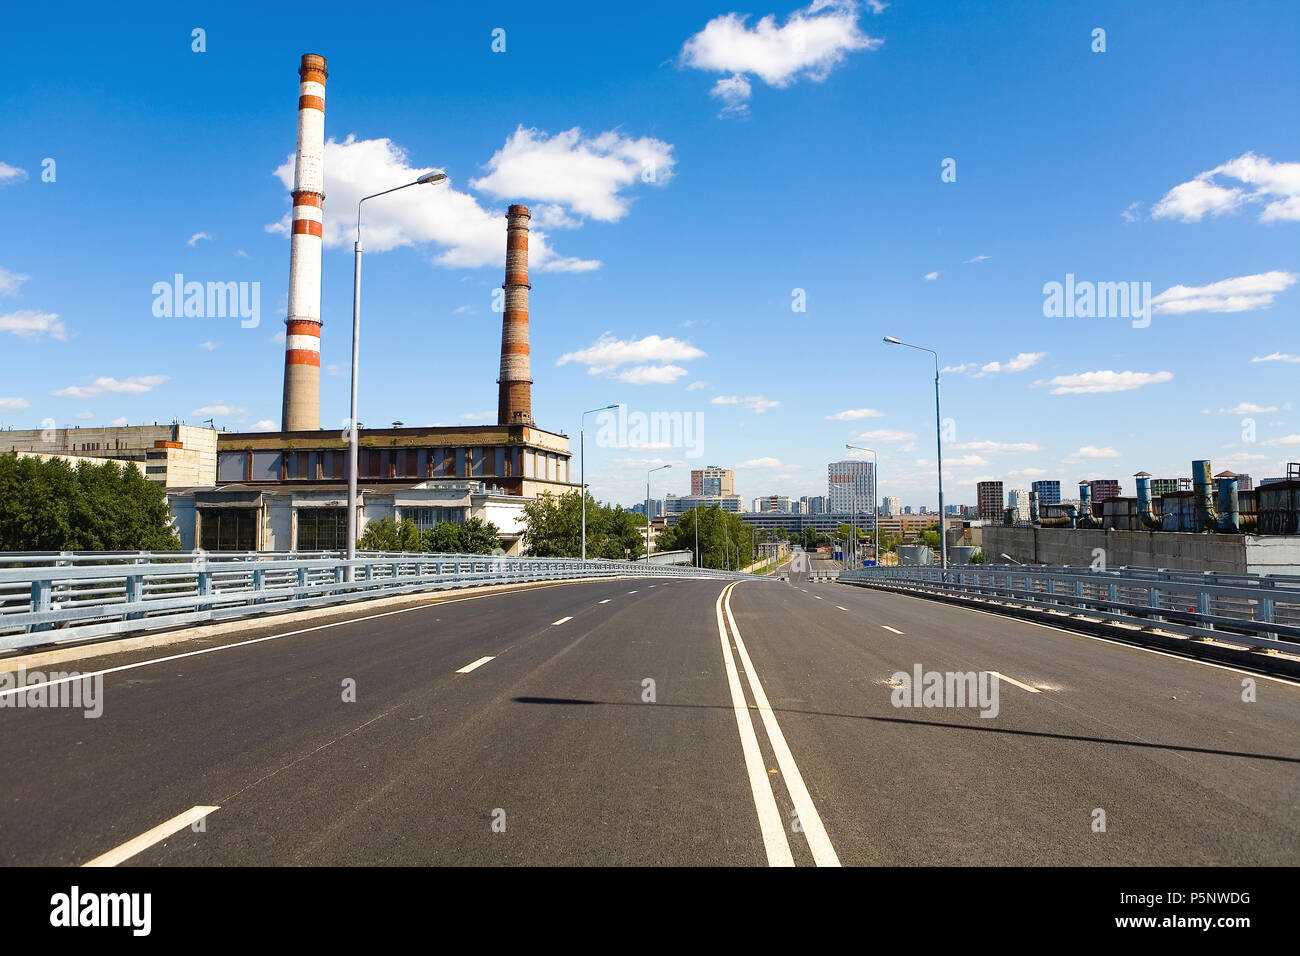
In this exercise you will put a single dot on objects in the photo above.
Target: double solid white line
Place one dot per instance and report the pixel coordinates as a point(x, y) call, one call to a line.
point(775, 842)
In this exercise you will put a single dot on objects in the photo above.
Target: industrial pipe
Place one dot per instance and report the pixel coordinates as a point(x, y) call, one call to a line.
point(1229, 505)
point(1146, 515)
point(1203, 492)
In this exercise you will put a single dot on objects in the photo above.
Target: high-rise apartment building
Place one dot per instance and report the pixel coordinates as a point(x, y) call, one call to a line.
point(1103, 489)
point(1018, 499)
point(1048, 492)
point(851, 483)
point(712, 480)
point(991, 500)
point(891, 505)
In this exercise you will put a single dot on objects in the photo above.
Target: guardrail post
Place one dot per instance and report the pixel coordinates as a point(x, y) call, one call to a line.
point(1266, 617)
point(1153, 600)
point(1112, 593)
point(204, 588)
point(134, 594)
point(1203, 608)
point(259, 584)
point(302, 579)
point(42, 600)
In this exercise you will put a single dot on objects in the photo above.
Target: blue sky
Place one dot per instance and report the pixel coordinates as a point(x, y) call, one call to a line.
point(800, 153)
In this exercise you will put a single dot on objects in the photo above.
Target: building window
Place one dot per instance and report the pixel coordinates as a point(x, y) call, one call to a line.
point(322, 529)
point(228, 529)
point(412, 464)
point(372, 465)
point(426, 518)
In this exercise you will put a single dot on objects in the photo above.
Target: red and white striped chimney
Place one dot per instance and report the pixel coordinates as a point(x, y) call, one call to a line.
point(302, 327)
point(515, 396)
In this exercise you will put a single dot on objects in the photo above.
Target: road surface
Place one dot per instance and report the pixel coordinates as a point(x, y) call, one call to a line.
point(619, 723)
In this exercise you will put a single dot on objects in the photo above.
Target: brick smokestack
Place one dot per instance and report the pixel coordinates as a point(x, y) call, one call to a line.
point(515, 397)
point(302, 327)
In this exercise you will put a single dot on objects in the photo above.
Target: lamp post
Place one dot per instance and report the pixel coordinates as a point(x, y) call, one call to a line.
point(938, 439)
point(427, 179)
point(875, 493)
point(582, 466)
point(647, 506)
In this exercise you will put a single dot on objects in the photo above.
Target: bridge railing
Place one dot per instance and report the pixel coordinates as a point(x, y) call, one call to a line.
point(1261, 611)
point(57, 598)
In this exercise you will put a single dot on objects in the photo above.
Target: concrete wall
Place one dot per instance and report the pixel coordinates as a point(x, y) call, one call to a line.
point(1233, 554)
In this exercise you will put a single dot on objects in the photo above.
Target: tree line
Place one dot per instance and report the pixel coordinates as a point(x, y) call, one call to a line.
point(475, 536)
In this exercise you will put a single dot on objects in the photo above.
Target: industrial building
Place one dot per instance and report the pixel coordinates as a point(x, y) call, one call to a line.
point(287, 490)
point(175, 455)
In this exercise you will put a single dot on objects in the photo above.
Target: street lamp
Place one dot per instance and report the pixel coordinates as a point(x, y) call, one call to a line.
point(647, 505)
point(938, 439)
point(875, 493)
point(582, 452)
point(427, 179)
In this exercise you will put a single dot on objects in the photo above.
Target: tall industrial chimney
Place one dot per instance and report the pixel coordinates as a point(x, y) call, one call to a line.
point(515, 396)
point(302, 326)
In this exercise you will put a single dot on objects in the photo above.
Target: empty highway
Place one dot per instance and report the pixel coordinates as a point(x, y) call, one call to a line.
point(653, 722)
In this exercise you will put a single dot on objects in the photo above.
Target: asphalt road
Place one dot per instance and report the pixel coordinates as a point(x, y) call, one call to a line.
point(556, 750)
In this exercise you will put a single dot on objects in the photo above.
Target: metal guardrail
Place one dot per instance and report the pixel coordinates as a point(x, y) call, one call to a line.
point(1260, 611)
point(57, 598)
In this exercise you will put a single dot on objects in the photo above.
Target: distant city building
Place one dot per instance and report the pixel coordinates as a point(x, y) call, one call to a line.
point(712, 480)
point(1166, 486)
point(970, 511)
point(991, 500)
point(907, 509)
point(174, 456)
point(1018, 500)
point(813, 504)
point(851, 483)
point(676, 504)
point(1048, 492)
point(1103, 489)
point(777, 503)
point(891, 506)
point(953, 511)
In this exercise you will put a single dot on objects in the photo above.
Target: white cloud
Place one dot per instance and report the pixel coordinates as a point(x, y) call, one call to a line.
point(964, 461)
point(1090, 453)
point(763, 463)
point(10, 281)
point(1277, 357)
point(1133, 212)
point(479, 418)
point(853, 414)
point(963, 367)
point(651, 374)
point(997, 447)
point(1104, 381)
point(220, 408)
point(931, 276)
point(465, 310)
point(119, 422)
point(1247, 408)
point(86, 415)
point(734, 91)
point(883, 435)
point(128, 386)
point(754, 403)
point(1018, 364)
point(29, 324)
point(810, 44)
point(1027, 473)
point(196, 237)
point(978, 259)
point(586, 174)
point(1276, 185)
point(265, 425)
point(1228, 295)
point(696, 386)
point(336, 370)
point(11, 174)
point(241, 254)
point(1285, 440)
point(14, 404)
point(608, 353)
point(208, 346)
point(471, 235)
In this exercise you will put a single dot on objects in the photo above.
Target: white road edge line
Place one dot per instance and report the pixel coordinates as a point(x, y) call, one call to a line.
point(562, 620)
point(892, 629)
point(841, 607)
point(813, 830)
point(1012, 680)
point(606, 601)
point(474, 664)
point(256, 640)
point(817, 596)
point(162, 831)
point(775, 843)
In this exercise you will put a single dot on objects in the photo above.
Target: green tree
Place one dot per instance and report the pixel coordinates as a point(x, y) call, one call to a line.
point(725, 539)
point(479, 537)
point(443, 537)
point(53, 506)
point(387, 535)
point(553, 529)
